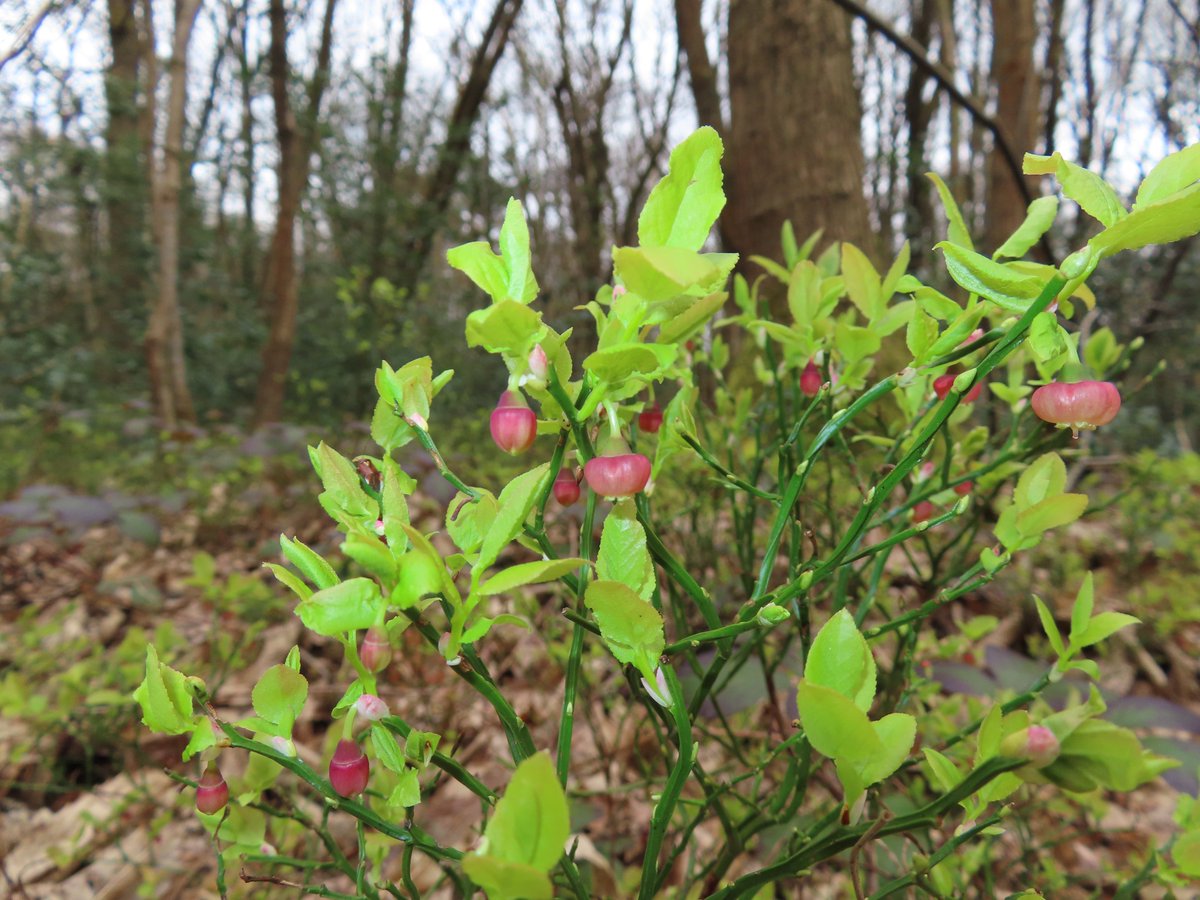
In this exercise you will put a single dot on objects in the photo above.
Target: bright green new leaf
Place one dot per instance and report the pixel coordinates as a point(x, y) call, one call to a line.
point(1008, 288)
point(841, 660)
point(862, 281)
point(342, 484)
point(1047, 339)
point(1093, 194)
point(991, 732)
point(660, 273)
point(202, 738)
point(623, 555)
point(164, 697)
point(372, 554)
point(1045, 477)
point(1103, 626)
point(514, 247)
point(919, 336)
point(537, 572)
point(1172, 174)
point(505, 327)
point(482, 625)
point(1185, 852)
point(944, 772)
point(279, 696)
point(397, 485)
point(531, 822)
point(896, 733)
point(410, 387)
point(387, 748)
point(957, 233)
point(1038, 219)
point(834, 726)
point(351, 605)
point(614, 365)
point(288, 577)
point(467, 521)
point(479, 263)
point(1053, 512)
point(309, 562)
point(407, 792)
point(804, 292)
point(1101, 351)
point(1048, 625)
point(691, 320)
point(388, 428)
point(1171, 219)
point(1081, 612)
point(683, 206)
point(503, 880)
point(515, 503)
point(631, 627)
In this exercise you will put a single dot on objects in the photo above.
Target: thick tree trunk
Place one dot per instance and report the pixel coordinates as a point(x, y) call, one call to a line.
point(1017, 112)
point(295, 150)
point(164, 333)
point(124, 186)
point(795, 148)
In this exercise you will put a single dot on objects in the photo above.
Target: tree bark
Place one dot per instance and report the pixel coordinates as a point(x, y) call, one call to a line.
point(795, 147)
point(918, 215)
point(296, 144)
point(164, 333)
point(1015, 77)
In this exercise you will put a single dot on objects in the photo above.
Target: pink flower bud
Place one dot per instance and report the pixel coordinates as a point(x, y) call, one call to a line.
point(650, 419)
point(1084, 404)
point(566, 487)
point(371, 708)
point(349, 770)
point(212, 793)
point(810, 380)
point(539, 365)
point(1036, 743)
point(376, 651)
point(943, 384)
point(964, 488)
point(513, 424)
point(922, 511)
point(622, 475)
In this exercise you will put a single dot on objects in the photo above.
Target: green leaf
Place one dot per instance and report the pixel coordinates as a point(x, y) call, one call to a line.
point(1185, 852)
point(477, 261)
point(1093, 194)
point(514, 247)
point(309, 562)
point(388, 428)
point(164, 697)
point(615, 365)
point(957, 233)
point(279, 696)
point(372, 554)
point(343, 485)
point(683, 206)
point(920, 335)
point(631, 627)
point(1038, 219)
point(991, 731)
point(349, 606)
point(945, 773)
point(660, 273)
point(387, 748)
point(1047, 339)
point(505, 327)
point(531, 822)
point(1171, 219)
point(896, 733)
point(787, 240)
point(1053, 512)
point(1103, 626)
point(862, 281)
point(1045, 477)
point(202, 738)
point(1049, 627)
point(407, 792)
point(467, 521)
point(687, 323)
point(503, 880)
point(1175, 172)
point(410, 387)
point(834, 726)
point(841, 660)
point(397, 485)
point(1081, 611)
point(515, 503)
point(288, 577)
point(1008, 288)
point(536, 572)
point(623, 555)
point(481, 626)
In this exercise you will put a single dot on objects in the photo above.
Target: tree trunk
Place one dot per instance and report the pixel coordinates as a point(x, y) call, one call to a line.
point(1016, 81)
point(295, 150)
point(918, 216)
point(794, 146)
point(164, 332)
point(124, 171)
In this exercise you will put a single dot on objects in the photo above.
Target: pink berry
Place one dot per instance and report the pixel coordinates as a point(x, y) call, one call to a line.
point(922, 511)
point(376, 651)
point(810, 380)
point(566, 487)
point(650, 419)
point(964, 488)
point(212, 793)
point(513, 423)
point(349, 769)
point(1084, 404)
point(622, 475)
point(943, 384)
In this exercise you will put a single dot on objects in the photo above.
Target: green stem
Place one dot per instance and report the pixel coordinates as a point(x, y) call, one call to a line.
point(566, 723)
point(426, 441)
point(725, 472)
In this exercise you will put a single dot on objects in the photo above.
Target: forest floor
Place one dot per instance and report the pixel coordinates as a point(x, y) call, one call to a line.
point(88, 809)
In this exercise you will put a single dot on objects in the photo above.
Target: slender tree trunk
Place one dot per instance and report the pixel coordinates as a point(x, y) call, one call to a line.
point(296, 144)
point(795, 147)
point(701, 71)
point(1015, 77)
point(164, 333)
point(918, 215)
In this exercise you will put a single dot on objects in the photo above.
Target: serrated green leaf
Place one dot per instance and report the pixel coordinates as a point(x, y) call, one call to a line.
point(691, 320)
point(1038, 219)
point(1053, 512)
point(387, 749)
point(279, 696)
point(631, 627)
point(957, 233)
point(467, 521)
point(991, 731)
point(1103, 626)
point(1171, 219)
point(1048, 626)
point(945, 773)
point(1045, 477)
point(288, 577)
point(615, 365)
point(202, 738)
point(484, 267)
point(896, 733)
point(1081, 611)
point(504, 880)
point(164, 698)
point(1173, 173)
point(862, 281)
point(1008, 288)
point(623, 555)
point(309, 562)
point(537, 572)
point(531, 823)
point(388, 428)
point(514, 505)
point(1089, 190)
point(352, 605)
point(514, 248)
point(834, 726)
point(505, 327)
